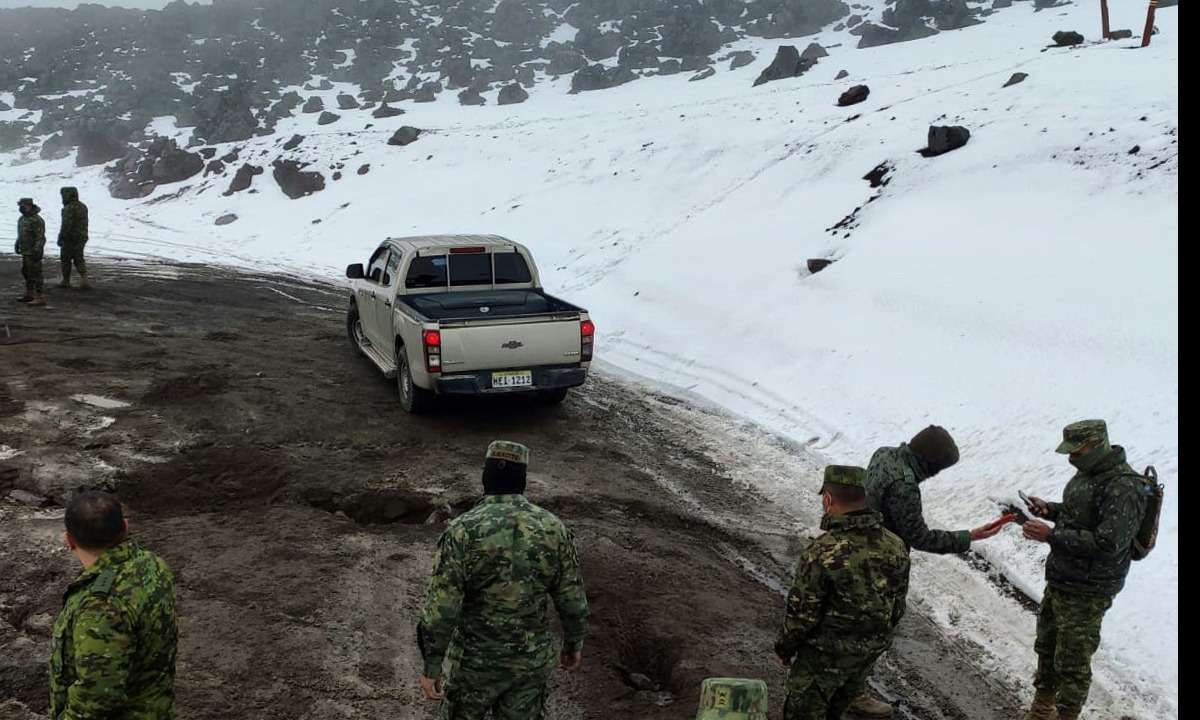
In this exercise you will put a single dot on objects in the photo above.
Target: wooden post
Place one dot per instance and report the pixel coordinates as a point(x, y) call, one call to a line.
point(1149, 23)
point(1104, 19)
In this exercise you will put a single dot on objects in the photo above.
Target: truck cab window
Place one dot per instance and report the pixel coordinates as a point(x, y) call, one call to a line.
point(376, 266)
point(426, 272)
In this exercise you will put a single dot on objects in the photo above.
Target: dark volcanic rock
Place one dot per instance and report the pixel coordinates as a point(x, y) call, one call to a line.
point(96, 148)
point(470, 96)
point(297, 183)
point(512, 94)
point(328, 118)
point(1122, 34)
point(872, 35)
point(787, 63)
point(1066, 38)
point(842, 74)
point(740, 58)
point(813, 52)
point(637, 57)
point(405, 136)
point(704, 74)
point(385, 111)
point(816, 265)
point(943, 139)
point(427, 92)
point(1016, 78)
point(175, 165)
point(598, 77)
point(225, 117)
point(669, 67)
point(243, 178)
point(314, 104)
point(226, 219)
point(56, 147)
point(215, 167)
point(346, 102)
point(364, 169)
point(294, 142)
point(854, 95)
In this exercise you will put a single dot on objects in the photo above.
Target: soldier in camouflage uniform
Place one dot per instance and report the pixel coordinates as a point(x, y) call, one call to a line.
point(73, 236)
point(894, 478)
point(485, 606)
point(845, 602)
point(1090, 545)
point(31, 246)
point(113, 651)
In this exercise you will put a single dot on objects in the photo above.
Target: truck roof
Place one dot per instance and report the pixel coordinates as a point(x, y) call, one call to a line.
point(439, 242)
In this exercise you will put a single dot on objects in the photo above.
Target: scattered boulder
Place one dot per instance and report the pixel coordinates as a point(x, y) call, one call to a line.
point(1067, 38)
point(470, 96)
point(598, 77)
point(427, 92)
point(385, 111)
point(214, 167)
point(787, 63)
point(704, 74)
point(286, 106)
point(1001, 4)
point(56, 147)
point(1122, 34)
point(854, 95)
point(872, 35)
point(225, 117)
point(813, 52)
point(208, 153)
point(670, 66)
point(564, 60)
point(226, 219)
point(328, 118)
point(691, 63)
point(97, 148)
point(313, 105)
point(174, 165)
point(512, 94)
point(405, 136)
point(943, 139)
point(294, 142)
point(297, 183)
point(1018, 77)
point(346, 102)
point(337, 176)
point(816, 265)
point(1135, 149)
point(841, 74)
point(639, 56)
point(364, 169)
point(243, 178)
point(5, 107)
point(741, 58)
point(878, 177)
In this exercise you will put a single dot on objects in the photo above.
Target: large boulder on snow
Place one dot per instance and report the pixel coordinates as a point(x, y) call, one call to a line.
point(175, 165)
point(405, 136)
point(56, 147)
point(386, 111)
point(313, 105)
point(97, 147)
point(295, 182)
point(328, 118)
point(243, 178)
point(470, 96)
point(598, 77)
point(1067, 38)
point(741, 58)
point(854, 95)
point(943, 139)
point(346, 102)
point(512, 94)
point(225, 117)
point(787, 63)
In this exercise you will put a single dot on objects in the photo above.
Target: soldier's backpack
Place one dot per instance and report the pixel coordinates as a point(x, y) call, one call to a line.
point(1147, 534)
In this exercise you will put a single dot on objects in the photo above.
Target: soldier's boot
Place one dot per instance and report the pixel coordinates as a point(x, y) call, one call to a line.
point(83, 282)
point(28, 296)
point(1043, 707)
point(866, 706)
point(38, 301)
point(1068, 713)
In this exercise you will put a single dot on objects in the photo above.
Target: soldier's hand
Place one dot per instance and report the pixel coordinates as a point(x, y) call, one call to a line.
point(986, 531)
point(432, 688)
point(571, 661)
point(1037, 530)
point(1037, 506)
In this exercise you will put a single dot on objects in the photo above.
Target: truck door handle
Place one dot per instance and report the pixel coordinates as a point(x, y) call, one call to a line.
point(388, 303)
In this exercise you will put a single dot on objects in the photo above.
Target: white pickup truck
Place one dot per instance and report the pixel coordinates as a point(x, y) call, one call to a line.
point(465, 314)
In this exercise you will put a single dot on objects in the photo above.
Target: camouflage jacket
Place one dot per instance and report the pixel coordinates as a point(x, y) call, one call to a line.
point(493, 570)
point(74, 229)
point(31, 236)
point(113, 651)
point(849, 590)
point(894, 478)
point(1094, 527)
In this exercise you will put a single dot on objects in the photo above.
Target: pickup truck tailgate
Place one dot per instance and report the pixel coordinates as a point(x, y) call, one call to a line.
point(516, 345)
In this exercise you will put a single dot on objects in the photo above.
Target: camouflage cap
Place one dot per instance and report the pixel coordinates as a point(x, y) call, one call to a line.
point(510, 451)
point(1084, 432)
point(847, 475)
point(24, 201)
point(732, 699)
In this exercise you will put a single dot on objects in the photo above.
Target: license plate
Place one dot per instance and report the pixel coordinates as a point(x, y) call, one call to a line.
point(523, 378)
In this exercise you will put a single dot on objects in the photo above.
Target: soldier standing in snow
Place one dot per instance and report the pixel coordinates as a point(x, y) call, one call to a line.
point(1090, 553)
point(846, 599)
point(894, 478)
point(73, 236)
point(485, 606)
point(31, 245)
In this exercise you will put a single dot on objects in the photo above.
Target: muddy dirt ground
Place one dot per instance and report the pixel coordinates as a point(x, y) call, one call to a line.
point(298, 506)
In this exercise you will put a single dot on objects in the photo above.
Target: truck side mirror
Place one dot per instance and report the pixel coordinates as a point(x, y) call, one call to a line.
point(355, 271)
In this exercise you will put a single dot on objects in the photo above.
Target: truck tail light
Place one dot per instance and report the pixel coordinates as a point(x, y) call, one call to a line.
point(433, 350)
point(587, 333)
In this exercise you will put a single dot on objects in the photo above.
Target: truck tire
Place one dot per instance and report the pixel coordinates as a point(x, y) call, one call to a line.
point(412, 398)
point(553, 397)
point(354, 328)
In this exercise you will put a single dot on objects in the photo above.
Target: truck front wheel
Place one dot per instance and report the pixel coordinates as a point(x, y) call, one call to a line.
point(354, 328)
point(412, 398)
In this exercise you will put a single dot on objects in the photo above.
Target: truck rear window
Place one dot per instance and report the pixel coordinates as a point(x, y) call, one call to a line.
point(467, 270)
point(426, 272)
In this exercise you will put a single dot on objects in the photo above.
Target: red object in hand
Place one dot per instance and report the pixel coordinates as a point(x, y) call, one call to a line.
point(1004, 520)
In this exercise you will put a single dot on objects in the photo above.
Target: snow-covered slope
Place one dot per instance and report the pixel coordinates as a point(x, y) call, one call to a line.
point(1024, 281)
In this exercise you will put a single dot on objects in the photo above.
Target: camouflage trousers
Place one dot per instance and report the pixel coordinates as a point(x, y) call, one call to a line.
point(472, 694)
point(72, 255)
point(31, 270)
point(821, 686)
point(1068, 634)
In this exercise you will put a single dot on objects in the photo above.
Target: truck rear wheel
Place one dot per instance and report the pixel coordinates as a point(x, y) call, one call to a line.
point(412, 398)
point(553, 397)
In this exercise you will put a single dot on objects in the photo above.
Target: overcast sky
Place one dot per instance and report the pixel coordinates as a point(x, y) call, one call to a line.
point(68, 4)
